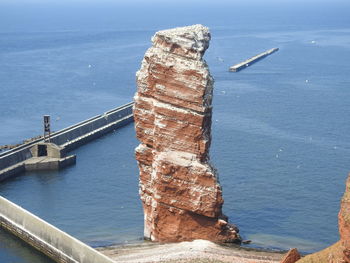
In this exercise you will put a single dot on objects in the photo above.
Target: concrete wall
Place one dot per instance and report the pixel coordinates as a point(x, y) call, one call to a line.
point(15, 157)
point(16, 169)
point(48, 163)
point(52, 150)
point(94, 134)
point(46, 238)
point(74, 135)
point(92, 124)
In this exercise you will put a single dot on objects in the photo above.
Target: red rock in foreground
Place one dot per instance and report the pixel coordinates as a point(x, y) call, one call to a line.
point(344, 222)
point(179, 189)
point(340, 251)
point(291, 257)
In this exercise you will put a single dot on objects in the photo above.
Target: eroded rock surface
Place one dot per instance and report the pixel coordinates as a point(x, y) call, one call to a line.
point(340, 251)
point(291, 257)
point(179, 189)
point(344, 222)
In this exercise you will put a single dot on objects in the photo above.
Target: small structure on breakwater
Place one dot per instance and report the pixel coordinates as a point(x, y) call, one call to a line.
point(37, 154)
point(252, 60)
point(48, 156)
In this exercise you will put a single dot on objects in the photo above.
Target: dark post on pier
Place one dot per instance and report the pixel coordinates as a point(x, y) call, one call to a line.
point(252, 60)
point(47, 129)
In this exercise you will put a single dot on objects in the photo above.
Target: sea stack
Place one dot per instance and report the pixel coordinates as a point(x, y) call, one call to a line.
point(179, 189)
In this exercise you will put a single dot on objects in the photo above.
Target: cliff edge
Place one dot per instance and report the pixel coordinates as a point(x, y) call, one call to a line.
point(340, 251)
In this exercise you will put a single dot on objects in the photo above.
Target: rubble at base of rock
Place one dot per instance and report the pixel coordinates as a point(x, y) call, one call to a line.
point(179, 189)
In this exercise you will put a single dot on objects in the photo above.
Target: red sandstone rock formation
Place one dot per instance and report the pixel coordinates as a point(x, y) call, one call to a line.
point(344, 222)
point(340, 251)
point(291, 257)
point(179, 189)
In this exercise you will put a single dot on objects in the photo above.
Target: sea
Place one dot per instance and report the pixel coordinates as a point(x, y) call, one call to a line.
point(280, 130)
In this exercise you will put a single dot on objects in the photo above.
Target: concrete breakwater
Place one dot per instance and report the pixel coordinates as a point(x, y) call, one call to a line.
point(252, 60)
point(12, 146)
point(46, 238)
point(14, 161)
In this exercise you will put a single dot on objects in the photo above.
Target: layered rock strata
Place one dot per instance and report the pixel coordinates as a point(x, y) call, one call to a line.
point(179, 189)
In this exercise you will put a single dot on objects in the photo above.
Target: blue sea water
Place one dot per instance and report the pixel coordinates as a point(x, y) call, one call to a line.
point(281, 140)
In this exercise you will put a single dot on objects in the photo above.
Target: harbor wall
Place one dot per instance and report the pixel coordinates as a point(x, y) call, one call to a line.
point(122, 114)
point(73, 136)
point(13, 171)
point(48, 239)
point(14, 157)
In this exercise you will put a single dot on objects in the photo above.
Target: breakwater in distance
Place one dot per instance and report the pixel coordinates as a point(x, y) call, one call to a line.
point(252, 60)
point(15, 161)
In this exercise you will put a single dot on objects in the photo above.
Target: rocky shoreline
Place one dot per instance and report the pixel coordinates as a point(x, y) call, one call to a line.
point(194, 251)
